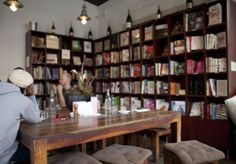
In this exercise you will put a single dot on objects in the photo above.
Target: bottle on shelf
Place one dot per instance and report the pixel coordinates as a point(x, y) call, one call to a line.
point(71, 31)
point(90, 34)
point(128, 20)
point(52, 104)
point(189, 4)
point(108, 103)
point(53, 28)
point(109, 30)
point(159, 15)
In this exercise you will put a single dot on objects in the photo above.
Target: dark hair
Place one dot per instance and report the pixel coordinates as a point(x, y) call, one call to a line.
point(19, 68)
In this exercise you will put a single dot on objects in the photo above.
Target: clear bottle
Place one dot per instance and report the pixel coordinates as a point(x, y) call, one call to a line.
point(128, 20)
point(52, 104)
point(108, 103)
point(53, 28)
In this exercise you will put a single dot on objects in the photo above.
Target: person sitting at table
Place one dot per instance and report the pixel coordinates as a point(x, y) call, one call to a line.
point(16, 101)
point(64, 88)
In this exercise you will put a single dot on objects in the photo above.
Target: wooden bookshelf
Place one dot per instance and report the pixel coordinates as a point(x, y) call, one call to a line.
point(181, 68)
point(46, 59)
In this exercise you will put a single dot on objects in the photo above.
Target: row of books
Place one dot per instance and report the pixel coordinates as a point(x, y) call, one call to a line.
point(195, 66)
point(176, 89)
point(216, 65)
point(216, 111)
point(196, 86)
point(215, 41)
point(217, 87)
point(176, 67)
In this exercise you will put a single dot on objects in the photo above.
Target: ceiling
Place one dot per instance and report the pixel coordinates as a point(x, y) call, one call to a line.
point(96, 2)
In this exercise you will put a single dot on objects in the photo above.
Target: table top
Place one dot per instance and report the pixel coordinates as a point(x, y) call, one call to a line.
point(54, 127)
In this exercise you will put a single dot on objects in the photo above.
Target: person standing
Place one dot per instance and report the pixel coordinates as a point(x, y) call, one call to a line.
point(16, 102)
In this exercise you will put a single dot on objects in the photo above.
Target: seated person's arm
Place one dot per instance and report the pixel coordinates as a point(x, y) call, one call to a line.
point(61, 96)
point(31, 112)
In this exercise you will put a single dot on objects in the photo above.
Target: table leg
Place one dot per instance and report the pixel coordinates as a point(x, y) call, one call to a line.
point(38, 152)
point(178, 130)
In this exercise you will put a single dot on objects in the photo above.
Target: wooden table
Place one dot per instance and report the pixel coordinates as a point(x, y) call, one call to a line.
point(52, 134)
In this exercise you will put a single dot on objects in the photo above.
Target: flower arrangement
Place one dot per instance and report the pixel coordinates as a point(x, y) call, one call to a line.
point(84, 81)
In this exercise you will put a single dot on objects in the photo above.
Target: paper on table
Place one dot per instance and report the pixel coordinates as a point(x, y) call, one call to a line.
point(85, 108)
point(142, 110)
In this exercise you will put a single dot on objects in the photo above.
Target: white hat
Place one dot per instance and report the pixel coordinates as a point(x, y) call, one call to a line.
point(21, 78)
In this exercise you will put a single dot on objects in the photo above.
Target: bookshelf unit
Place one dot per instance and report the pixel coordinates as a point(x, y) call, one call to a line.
point(175, 63)
point(49, 55)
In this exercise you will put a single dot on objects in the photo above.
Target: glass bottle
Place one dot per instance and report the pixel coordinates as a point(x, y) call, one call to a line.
point(52, 105)
point(128, 20)
point(71, 31)
point(189, 4)
point(109, 30)
point(90, 34)
point(53, 28)
point(108, 103)
point(158, 13)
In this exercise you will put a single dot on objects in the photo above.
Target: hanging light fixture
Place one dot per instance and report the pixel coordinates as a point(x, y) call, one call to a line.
point(84, 18)
point(13, 4)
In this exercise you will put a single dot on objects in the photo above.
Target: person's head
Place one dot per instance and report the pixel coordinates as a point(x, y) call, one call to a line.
point(21, 78)
point(65, 79)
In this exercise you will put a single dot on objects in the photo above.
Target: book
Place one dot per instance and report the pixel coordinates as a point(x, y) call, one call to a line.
point(162, 105)
point(99, 60)
point(51, 59)
point(215, 14)
point(76, 60)
point(148, 31)
point(65, 56)
point(197, 109)
point(88, 46)
point(178, 106)
point(221, 87)
point(115, 57)
point(98, 46)
point(107, 44)
point(52, 41)
point(135, 36)
point(221, 39)
point(106, 58)
point(194, 43)
point(124, 38)
point(76, 46)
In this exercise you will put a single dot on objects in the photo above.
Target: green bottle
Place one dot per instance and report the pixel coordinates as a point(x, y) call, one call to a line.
point(90, 34)
point(53, 28)
point(71, 31)
point(128, 20)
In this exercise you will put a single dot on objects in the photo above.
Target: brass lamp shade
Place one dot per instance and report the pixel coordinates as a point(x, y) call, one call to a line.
point(13, 4)
point(84, 18)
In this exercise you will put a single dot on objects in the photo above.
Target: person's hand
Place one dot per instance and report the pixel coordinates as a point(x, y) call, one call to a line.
point(59, 88)
point(29, 91)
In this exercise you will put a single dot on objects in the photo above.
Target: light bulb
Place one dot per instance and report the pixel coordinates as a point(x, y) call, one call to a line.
point(13, 7)
point(83, 21)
